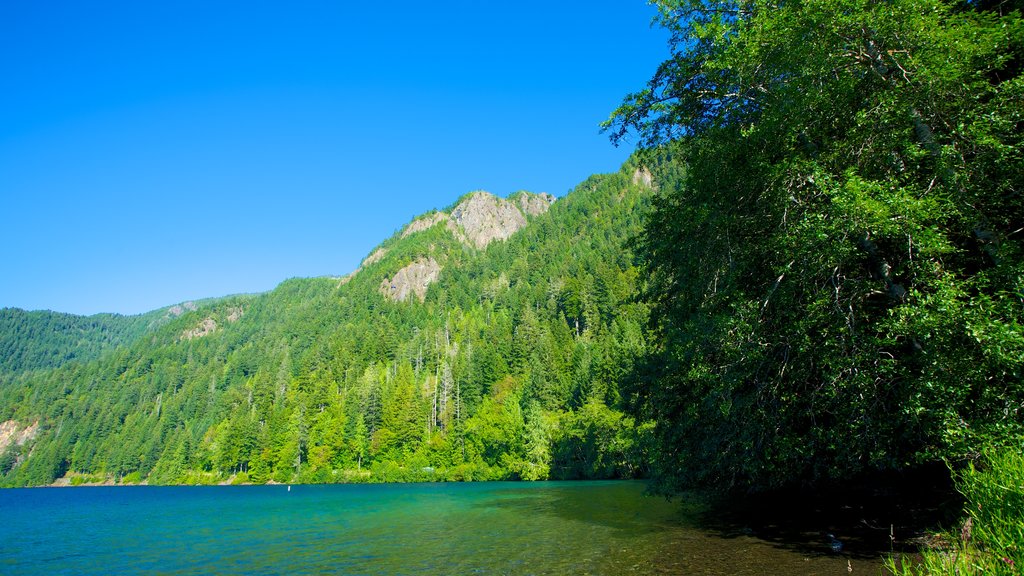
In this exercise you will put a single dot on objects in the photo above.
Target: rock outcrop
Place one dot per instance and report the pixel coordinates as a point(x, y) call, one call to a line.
point(209, 324)
point(534, 204)
point(643, 177)
point(235, 313)
point(12, 435)
point(179, 309)
point(373, 258)
point(483, 218)
point(479, 219)
point(205, 328)
point(424, 223)
point(411, 280)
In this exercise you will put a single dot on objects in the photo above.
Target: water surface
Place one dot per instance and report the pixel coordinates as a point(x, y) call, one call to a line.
point(556, 528)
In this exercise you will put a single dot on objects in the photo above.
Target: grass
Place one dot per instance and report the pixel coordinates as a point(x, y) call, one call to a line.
point(991, 540)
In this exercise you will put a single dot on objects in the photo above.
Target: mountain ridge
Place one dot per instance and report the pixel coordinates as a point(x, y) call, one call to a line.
point(41, 339)
point(488, 217)
point(508, 367)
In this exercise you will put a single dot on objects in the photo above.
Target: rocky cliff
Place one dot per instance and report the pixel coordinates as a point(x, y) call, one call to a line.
point(483, 217)
point(412, 280)
point(11, 433)
point(534, 204)
point(424, 222)
point(476, 221)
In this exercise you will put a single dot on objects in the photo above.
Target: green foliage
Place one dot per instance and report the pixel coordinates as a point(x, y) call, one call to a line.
point(992, 539)
point(836, 280)
point(42, 339)
point(9, 458)
point(325, 380)
point(82, 479)
point(596, 442)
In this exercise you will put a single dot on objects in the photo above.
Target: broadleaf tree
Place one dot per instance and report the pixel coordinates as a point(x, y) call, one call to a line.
point(837, 282)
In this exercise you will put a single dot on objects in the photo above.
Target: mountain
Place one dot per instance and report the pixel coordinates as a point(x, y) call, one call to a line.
point(40, 339)
point(486, 340)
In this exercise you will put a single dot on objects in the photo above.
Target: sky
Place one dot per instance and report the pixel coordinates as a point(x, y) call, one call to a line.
point(157, 152)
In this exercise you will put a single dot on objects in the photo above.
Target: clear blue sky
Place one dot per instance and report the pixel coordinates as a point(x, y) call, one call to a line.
point(157, 152)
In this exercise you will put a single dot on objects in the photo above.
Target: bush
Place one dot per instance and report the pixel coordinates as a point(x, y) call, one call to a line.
point(992, 538)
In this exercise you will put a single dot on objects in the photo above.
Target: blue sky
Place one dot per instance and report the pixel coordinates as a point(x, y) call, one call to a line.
point(157, 152)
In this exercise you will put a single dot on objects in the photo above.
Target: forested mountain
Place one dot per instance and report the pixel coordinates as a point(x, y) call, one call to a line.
point(45, 339)
point(814, 271)
point(484, 341)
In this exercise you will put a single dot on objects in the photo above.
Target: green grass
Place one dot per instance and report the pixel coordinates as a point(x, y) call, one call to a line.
point(991, 540)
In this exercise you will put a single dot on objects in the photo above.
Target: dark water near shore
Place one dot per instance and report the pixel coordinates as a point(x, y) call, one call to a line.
point(478, 528)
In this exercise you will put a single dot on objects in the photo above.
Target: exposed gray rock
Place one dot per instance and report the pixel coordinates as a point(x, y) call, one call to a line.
point(411, 280)
point(643, 177)
point(483, 218)
point(235, 313)
point(534, 204)
point(424, 223)
point(477, 221)
point(374, 257)
point(206, 327)
point(12, 434)
point(179, 309)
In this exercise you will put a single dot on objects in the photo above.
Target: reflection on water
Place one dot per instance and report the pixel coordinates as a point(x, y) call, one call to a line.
point(484, 528)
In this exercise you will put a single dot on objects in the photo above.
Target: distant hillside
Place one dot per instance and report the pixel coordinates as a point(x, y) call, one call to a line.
point(32, 340)
point(488, 340)
point(44, 339)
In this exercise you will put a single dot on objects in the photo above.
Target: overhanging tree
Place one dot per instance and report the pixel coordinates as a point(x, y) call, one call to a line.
point(838, 279)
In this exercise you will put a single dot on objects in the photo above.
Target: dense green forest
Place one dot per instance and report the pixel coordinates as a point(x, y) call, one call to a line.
point(509, 368)
point(812, 270)
point(837, 283)
point(43, 339)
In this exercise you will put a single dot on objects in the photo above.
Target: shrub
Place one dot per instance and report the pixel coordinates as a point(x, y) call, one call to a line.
point(992, 538)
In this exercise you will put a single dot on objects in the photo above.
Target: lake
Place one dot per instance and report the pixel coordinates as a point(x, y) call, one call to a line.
point(556, 528)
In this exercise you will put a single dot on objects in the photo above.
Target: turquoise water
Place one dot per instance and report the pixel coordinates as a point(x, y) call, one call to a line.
point(475, 528)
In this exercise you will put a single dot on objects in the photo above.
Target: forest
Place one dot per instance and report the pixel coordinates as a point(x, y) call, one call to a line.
point(44, 339)
point(509, 368)
point(809, 271)
point(837, 283)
